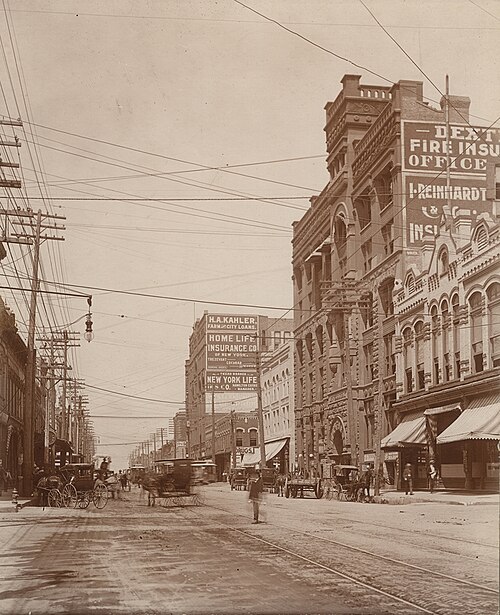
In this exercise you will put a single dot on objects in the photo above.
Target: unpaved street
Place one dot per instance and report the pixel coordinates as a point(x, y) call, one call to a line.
point(310, 556)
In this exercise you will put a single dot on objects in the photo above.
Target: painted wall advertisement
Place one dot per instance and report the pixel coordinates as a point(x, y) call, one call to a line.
point(468, 151)
point(231, 351)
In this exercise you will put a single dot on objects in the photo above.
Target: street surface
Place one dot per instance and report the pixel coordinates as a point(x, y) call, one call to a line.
point(309, 556)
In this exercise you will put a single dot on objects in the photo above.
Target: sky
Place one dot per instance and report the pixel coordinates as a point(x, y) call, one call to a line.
point(181, 139)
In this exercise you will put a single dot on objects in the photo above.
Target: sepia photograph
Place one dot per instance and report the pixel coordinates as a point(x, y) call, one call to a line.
point(249, 307)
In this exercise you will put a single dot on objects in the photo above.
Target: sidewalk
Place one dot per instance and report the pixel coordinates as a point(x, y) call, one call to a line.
point(6, 502)
point(457, 497)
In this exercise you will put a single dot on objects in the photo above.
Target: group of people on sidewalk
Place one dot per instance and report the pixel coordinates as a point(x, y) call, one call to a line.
point(408, 477)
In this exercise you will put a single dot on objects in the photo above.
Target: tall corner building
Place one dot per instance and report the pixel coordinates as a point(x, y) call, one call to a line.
point(221, 378)
point(379, 254)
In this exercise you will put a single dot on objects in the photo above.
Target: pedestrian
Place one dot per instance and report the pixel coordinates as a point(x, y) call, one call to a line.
point(255, 495)
point(367, 480)
point(408, 479)
point(124, 480)
point(432, 475)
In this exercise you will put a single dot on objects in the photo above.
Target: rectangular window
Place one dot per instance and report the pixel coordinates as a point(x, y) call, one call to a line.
point(390, 357)
point(369, 367)
point(388, 239)
point(366, 250)
point(436, 370)
point(409, 380)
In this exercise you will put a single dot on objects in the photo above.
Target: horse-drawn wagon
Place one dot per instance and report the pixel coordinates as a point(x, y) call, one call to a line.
point(296, 485)
point(173, 482)
point(82, 485)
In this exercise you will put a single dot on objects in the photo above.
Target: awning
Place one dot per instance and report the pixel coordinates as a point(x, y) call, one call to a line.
point(272, 449)
point(443, 409)
point(479, 421)
point(411, 430)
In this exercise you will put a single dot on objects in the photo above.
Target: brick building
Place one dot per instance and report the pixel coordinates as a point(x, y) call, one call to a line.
point(375, 220)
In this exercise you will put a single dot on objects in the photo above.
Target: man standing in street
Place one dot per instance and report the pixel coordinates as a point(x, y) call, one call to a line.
point(408, 479)
point(432, 475)
point(255, 495)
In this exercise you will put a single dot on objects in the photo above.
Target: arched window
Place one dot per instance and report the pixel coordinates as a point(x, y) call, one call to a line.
point(493, 294)
point(408, 359)
point(455, 309)
point(443, 261)
point(481, 238)
point(435, 344)
point(476, 323)
point(239, 437)
point(419, 353)
point(340, 240)
point(252, 433)
point(410, 284)
point(445, 326)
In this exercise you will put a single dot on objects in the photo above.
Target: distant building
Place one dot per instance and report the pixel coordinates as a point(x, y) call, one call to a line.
point(278, 405)
point(221, 372)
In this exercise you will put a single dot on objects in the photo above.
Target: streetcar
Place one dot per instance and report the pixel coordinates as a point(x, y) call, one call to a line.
point(204, 472)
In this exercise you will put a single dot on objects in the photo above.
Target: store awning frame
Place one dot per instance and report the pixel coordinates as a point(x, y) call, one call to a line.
point(271, 448)
point(410, 432)
point(479, 421)
point(443, 409)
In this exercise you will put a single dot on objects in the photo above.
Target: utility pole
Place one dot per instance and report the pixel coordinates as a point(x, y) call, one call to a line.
point(233, 440)
point(260, 415)
point(29, 403)
point(213, 423)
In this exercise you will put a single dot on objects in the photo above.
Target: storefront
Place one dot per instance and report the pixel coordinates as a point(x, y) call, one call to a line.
point(468, 447)
point(407, 443)
point(276, 455)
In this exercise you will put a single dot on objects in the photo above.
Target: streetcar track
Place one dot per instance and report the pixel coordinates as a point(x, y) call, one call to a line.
point(366, 552)
point(317, 564)
point(412, 531)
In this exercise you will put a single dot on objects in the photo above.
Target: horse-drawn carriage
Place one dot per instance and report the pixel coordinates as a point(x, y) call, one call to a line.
point(345, 484)
point(73, 485)
point(239, 479)
point(296, 485)
point(83, 484)
point(173, 482)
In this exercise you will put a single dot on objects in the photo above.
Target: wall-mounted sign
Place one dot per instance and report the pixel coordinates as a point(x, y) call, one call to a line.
point(467, 149)
point(231, 352)
point(231, 381)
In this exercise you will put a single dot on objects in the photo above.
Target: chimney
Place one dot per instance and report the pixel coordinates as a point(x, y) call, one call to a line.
point(458, 107)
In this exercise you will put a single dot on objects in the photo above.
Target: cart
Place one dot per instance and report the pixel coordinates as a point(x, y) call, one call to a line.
point(82, 485)
point(173, 483)
point(346, 483)
point(295, 486)
point(239, 479)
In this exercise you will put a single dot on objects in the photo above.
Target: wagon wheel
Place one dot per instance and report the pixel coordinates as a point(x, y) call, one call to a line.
point(84, 499)
point(100, 495)
point(295, 491)
point(318, 491)
point(69, 496)
point(55, 498)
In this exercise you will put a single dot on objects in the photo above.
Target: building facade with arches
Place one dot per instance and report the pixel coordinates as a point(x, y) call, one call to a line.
point(367, 239)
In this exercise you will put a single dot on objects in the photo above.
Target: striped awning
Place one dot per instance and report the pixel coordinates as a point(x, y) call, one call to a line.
point(479, 421)
point(411, 431)
point(272, 449)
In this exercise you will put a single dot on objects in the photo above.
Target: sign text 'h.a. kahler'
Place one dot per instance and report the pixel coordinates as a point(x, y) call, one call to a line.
point(231, 352)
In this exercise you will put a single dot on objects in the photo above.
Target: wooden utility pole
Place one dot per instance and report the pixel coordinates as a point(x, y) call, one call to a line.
point(34, 238)
point(260, 414)
point(233, 440)
point(213, 424)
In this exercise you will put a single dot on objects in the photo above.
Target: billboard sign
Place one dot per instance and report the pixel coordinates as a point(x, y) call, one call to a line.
point(429, 200)
point(468, 148)
point(231, 381)
point(429, 197)
point(231, 352)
